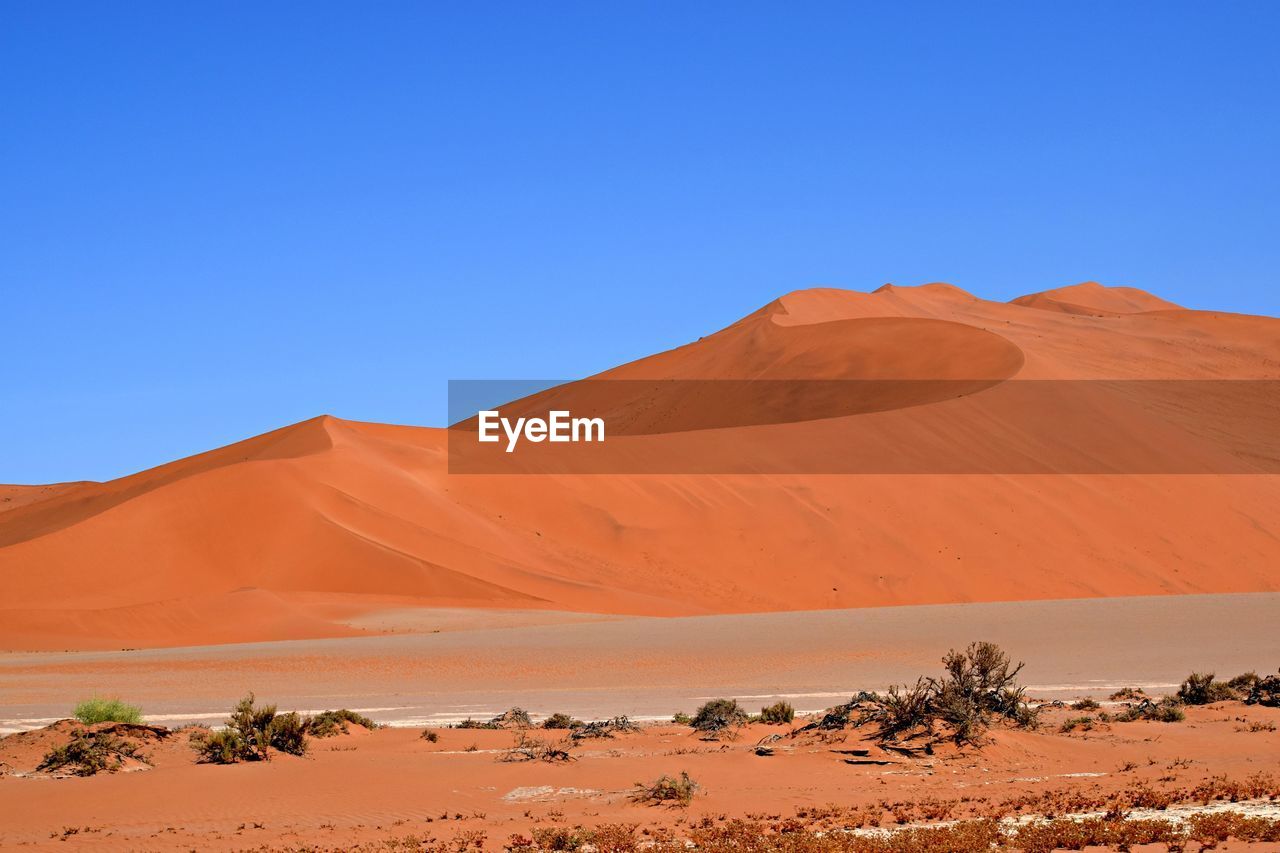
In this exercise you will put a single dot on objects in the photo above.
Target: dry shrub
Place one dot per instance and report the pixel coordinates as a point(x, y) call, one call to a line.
point(1199, 688)
point(529, 748)
point(666, 789)
point(90, 752)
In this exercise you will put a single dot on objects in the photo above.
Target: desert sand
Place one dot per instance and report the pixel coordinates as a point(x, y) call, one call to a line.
point(1123, 535)
point(314, 529)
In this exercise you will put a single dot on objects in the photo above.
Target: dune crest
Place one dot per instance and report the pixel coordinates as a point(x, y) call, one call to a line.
point(306, 530)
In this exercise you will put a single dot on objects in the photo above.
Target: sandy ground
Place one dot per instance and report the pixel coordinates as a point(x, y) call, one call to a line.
point(370, 786)
point(653, 667)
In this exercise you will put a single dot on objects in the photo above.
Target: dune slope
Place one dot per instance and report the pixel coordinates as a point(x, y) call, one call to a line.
point(297, 532)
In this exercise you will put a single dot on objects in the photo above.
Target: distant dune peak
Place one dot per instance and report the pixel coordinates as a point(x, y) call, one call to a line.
point(1091, 297)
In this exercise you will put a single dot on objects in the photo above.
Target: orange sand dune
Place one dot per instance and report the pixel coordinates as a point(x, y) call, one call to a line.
point(1092, 298)
point(296, 532)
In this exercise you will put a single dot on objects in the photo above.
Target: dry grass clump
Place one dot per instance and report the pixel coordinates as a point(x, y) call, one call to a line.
point(666, 789)
point(99, 710)
point(1085, 705)
point(251, 733)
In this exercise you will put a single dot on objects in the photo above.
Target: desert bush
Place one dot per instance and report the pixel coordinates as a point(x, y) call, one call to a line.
point(560, 721)
point(1128, 694)
point(979, 683)
point(99, 710)
point(1266, 692)
point(251, 732)
point(515, 718)
point(719, 715)
point(329, 723)
point(430, 735)
point(529, 748)
point(1244, 682)
point(778, 712)
point(604, 728)
point(903, 709)
point(680, 718)
point(1085, 705)
point(88, 753)
point(1199, 688)
point(666, 789)
point(1167, 710)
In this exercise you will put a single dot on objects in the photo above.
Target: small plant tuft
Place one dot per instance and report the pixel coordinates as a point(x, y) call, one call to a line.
point(99, 710)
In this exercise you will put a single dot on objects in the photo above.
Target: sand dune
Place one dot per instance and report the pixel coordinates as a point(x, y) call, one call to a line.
point(303, 531)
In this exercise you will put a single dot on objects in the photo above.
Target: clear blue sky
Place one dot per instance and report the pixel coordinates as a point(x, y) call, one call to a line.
point(221, 218)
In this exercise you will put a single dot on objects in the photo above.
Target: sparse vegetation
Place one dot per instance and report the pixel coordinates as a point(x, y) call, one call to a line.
point(430, 735)
point(1265, 692)
point(778, 712)
point(99, 710)
point(90, 752)
point(980, 684)
point(515, 718)
point(1200, 689)
point(1085, 705)
point(719, 715)
point(1070, 725)
point(603, 728)
point(251, 733)
point(680, 718)
point(1128, 694)
point(329, 723)
point(666, 789)
point(529, 748)
point(560, 721)
point(1167, 710)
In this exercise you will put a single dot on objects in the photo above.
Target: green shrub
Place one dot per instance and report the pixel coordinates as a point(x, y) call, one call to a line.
point(778, 712)
point(251, 732)
point(99, 710)
point(329, 723)
point(680, 718)
point(719, 715)
point(1200, 689)
point(1085, 705)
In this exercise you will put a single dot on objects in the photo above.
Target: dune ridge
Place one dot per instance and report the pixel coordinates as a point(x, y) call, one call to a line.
point(301, 531)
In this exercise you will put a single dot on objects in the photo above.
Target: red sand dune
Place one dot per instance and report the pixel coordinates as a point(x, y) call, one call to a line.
point(292, 533)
